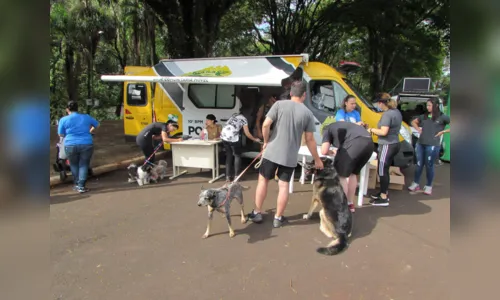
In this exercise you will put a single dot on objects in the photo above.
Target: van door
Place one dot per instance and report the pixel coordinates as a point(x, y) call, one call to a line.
point(137, 107)
point(324, 98)
point(203, 99)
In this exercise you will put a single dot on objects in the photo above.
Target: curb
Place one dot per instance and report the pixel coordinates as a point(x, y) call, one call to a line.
point(55, 180)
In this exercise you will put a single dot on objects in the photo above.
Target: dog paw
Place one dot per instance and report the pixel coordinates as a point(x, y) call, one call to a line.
point(231, 234)
point(205, 236)
point(305, 217)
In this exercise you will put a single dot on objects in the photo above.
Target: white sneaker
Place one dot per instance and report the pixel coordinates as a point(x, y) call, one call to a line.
point(428, 190)
point(414, 187)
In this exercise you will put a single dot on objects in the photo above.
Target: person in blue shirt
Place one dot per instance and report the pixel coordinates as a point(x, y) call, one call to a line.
point(348, 112)
point(77, 129)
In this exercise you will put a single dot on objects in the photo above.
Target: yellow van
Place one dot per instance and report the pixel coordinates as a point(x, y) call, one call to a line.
point(186, 90)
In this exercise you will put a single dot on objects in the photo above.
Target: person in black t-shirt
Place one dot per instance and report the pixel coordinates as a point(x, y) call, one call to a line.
point(156, 131)
point(431, 127)
point(354, 149)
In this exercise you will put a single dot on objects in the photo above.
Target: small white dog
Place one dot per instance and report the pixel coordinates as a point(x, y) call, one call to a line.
point(147, 173)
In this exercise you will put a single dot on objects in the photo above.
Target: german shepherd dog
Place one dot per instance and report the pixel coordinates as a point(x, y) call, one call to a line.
point(335, 216)
point(220, 200)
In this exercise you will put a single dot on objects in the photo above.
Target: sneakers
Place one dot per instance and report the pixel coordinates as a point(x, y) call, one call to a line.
point(414, 187)
point(277, 223)
point(375, 197)
point(380, 202)
point(351, 207)
point(428, 190)
point(255, 217)
point(82, 190)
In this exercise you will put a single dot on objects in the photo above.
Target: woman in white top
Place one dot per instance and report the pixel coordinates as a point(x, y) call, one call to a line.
point(230, 136)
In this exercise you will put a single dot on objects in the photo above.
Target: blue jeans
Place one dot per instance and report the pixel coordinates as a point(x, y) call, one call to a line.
point(79, 161)
point(426, 155)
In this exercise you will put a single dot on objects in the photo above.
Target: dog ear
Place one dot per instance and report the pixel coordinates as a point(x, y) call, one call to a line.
point(211, 194)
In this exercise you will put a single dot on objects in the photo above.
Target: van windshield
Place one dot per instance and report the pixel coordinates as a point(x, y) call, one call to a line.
point(356, 91)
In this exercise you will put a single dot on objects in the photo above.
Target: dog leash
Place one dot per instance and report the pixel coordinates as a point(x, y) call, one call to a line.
point(154, 152)
point(237, 178)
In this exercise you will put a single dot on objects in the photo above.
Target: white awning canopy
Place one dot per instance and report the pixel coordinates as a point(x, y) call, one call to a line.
point(256, 70)
point(256, 80)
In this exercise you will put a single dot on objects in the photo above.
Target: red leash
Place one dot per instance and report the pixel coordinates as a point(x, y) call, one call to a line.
point(155, 150)
point(237, 178)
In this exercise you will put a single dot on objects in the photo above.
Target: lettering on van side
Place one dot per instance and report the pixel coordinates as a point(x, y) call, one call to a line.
point(182, 80)
point(194, 129)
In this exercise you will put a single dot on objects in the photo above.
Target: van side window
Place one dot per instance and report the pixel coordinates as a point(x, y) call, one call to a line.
point(212, 96)
point(339, 94)
point(137, 94)
point(322, 95)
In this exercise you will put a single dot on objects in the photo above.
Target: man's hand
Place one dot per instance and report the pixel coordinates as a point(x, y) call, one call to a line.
point(318, 164)
point(257, 140)
point(264, 146)
point(437, 135)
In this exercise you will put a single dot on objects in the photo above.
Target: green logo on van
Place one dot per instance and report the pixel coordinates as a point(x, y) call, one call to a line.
point(172, 117)
point(329, 120)
point(218, 71)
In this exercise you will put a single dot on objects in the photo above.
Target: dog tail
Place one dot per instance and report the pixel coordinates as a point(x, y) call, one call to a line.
point(335, 247)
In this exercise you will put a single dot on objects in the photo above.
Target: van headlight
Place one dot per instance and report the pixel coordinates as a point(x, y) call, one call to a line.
point(405, 133)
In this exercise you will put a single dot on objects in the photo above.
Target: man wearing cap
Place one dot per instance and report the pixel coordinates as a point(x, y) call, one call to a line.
point(156, 131)
point(212, 128)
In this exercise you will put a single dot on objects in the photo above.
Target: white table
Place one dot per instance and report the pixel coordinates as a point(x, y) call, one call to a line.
point(196, 154)
point(363, 176)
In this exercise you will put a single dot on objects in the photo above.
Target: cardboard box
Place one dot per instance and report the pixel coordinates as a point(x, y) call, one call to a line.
point(397, 179)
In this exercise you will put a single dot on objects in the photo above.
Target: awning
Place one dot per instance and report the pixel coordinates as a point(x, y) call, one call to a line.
point(256, 70)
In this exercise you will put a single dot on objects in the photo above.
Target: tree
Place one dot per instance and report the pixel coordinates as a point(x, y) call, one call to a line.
point(297, 27)
point(392, 32)
point(193, 26)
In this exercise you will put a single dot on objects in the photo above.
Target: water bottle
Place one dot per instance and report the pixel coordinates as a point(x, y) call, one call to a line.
point(205, 134)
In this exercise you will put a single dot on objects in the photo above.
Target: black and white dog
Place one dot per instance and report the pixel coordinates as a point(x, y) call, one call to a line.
point(147, 173)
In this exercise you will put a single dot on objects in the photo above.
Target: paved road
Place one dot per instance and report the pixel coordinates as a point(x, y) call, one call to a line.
point(125, 242)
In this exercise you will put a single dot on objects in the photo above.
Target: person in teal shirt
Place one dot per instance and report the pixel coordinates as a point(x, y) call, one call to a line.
point(76, 129)
point(348, 112)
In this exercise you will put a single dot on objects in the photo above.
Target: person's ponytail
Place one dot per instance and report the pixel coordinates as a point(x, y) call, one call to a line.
point(392, 104)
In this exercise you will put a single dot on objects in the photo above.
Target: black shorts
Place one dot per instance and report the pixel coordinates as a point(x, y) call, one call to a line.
point(353, 159)
point(268, 170)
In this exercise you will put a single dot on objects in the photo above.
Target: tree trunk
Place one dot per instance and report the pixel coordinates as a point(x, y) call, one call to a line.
point(71, 74)
point(150, 24)
point(135, 28)
point(192, 25)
